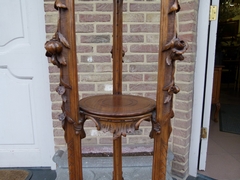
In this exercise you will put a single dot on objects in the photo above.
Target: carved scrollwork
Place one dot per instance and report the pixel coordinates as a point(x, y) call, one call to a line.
point(118, 126)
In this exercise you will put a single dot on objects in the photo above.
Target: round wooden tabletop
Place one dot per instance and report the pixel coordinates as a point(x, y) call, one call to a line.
point(117, 105)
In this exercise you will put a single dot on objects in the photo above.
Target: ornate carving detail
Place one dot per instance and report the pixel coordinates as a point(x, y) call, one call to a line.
point(175, 7)
point(123, 53)
point(176, 47)
point(54, 48)
point(118, 126)
point(155, 125)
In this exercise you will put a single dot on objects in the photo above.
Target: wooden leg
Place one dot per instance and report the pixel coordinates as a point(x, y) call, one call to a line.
point(117, 159)
point(74, 154)
point(159, 167)
point(216, 113)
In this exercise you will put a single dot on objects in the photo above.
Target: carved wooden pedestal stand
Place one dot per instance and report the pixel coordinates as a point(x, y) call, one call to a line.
point(116, 113)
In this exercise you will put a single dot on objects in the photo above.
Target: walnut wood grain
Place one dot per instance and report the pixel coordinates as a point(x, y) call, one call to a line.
point(61, 50)
point(117, 105)
point(117, 113)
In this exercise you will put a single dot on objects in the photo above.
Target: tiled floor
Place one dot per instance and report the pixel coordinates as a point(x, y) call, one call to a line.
point(223, 157)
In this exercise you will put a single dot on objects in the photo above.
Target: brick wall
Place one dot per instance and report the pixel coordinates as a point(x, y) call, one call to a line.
point(140, 36)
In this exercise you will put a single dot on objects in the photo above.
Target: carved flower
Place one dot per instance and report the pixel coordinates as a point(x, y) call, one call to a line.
point(54, 51)
point(171, 89)
point(62, 116)
point(60, 90)
point(59, 4)
point(178, 47)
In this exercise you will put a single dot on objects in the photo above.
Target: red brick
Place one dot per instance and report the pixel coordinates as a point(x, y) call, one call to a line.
point(133, 58)
point(184, 124)
point(94, 18)
point(183, 115)
point(181, 141)
point(104, 48)
point(104, 28)
point(152, 38)
point(187, 27)
point(136, 7)
point(152, 57)
point(181, 167)
point(86, 87)
point(151, 95)
point(133, 38)
point(53, 69)
point(96, 77)
point(53, 87)
point(85, 68)
point(132, 77)
point(84, 49)
point(84, 28)
point(184, 77)
point(184, 96)
point(189, 5)
point(150, 77)
point(137, 28)
point(144, 48)
point(185, 87)
point(49, 8)
point(143, 68)
point(83, 7)
point(133, 17)
point(57, 124)
point(95, 39)
point(51, 28)
point(96, 59)
point(56, 105)
point(180, 149)
point(54, 78)
point(55, 97)
point(185, 67)
point(103, 67)
point(58, 132)
point(143, 87)
point(183, 105)
point(108, 7)
point(187, 16)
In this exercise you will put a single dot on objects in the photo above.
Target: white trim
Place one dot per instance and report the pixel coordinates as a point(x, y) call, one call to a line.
point(199, 77)
point(48, 132)
point(208, 88)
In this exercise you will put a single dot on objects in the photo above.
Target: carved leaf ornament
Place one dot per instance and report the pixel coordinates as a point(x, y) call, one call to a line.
point(54, 48)
point(177, 48)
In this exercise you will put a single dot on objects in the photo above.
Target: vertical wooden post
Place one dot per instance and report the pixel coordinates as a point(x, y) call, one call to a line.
point(117, 80)
point(170, 49)
point(69, 74)
point(61, 50)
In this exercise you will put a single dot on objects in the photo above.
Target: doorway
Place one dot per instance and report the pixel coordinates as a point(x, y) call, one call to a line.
point(223, 154)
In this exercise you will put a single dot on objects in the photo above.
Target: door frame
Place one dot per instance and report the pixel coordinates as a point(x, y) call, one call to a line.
point(203, 80)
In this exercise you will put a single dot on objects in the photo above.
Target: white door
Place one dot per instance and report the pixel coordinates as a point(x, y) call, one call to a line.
point(26, 136)
point(208, 87)
point(206, 41)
